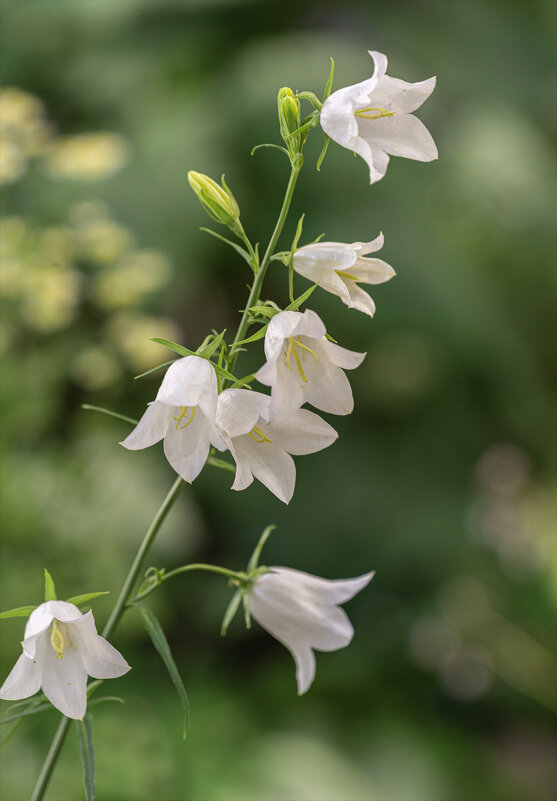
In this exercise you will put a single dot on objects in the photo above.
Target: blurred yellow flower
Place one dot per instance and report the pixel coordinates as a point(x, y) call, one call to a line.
point(24, 132)
point(51, 298)
point(95, 368)
point(137, 274)
point(132, 334)
point(87, 157)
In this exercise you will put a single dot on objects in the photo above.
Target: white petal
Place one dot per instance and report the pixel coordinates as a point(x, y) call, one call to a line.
point(41, 617)
point(330, 391)
point(376, 158)
point(358, 299)
point(187, 448)
point(244, 475)
point(373, 271)
point(238, 410)
point(100, 659)
point(305, 432)
point(393, 94)
point(325, 591)
point(64, 681)
point(150, 429)
point(305, 667)
point(281, 326)
point(23, 681)
point(342, 357)
point(401, 135)
point(190, 381)
point(270, 465)
point(287, 395)
point(332, 255)
point(363, 248)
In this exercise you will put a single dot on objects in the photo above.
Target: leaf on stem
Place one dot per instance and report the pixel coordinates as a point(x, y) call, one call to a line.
point(87, 751)
point(231, 610)
point(19, 611)
point(209, 349)
point(329, 85)
point(160, 642)
point(185, 352)
point(153, 369)
point(10, 733)
point(274, 147)
point(238, 248)
point(323, 151)
point(301, 299)
point(88, 596)
point(254, 558)
point(254, 337)
point(118, 416)
point(49, 588)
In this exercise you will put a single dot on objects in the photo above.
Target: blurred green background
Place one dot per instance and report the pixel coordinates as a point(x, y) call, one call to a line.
point(442, 480)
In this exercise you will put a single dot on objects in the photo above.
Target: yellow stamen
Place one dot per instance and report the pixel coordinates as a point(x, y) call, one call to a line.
point(363, 112)
point(187, 414)
point(258, 436)
point(351, 277)
point(60, 639)
point(293, 345)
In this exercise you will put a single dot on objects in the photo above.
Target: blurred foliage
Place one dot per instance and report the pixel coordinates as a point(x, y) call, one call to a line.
point(443, 480)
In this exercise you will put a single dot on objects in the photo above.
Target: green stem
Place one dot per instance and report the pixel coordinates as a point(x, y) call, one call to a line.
point(258, 281)
point(119, 608)
point(223, 571)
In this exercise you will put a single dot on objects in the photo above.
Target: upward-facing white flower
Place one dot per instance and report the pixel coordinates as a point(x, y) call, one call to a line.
point(61, 648)
point(373, 118)
point(184, 414)
point(338, 267)
point(262, 449)
point(302, 612)
point(303, 366)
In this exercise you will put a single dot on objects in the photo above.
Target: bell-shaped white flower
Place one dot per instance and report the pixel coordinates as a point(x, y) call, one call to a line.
point(184, 415)
point(61, 648)
point(262, 449)
point(304, 366)
point(338, 267)
point(373, 119)
point(302, 612)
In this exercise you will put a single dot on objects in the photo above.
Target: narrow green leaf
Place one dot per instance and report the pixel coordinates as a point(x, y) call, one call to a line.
point(10, 733)
point(301, 299)
point(175, 347)
point(323, 151)
point(161, 644)
point(88, 596)
point(49, 588)
point(231, 610)
point(87, 751)
point(221, 463)
point(329, 85)
point(105, 698)
point(238, 248)
point(266, 311)
point(30, 710)
point(90, 408)
point(254, 558)
point(253, 338)
point(19, 611)
point(312, 97)
point(298, 233)
point(152, 370)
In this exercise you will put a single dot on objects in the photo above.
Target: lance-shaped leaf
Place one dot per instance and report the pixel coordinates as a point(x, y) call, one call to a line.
point(19, 611)
point(185, 352)
point(160, 642)
point(49, 588)
point(209, 349)
point(87, 751)
point(301, 299)
point(88, 596)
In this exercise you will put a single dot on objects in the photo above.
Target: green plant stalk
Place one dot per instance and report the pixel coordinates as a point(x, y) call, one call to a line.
point(223, 571)
point(119, 608)
point(258, 280)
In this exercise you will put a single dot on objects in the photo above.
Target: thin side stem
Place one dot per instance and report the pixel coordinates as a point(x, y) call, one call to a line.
point(223, 571)
point(258, 281)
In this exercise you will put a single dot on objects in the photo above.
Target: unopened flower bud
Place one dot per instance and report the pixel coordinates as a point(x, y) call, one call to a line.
point(218, 201)
point(289, 119)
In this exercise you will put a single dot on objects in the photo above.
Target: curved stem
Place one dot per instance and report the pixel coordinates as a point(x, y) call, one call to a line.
point(258, 281)
point(223, 571)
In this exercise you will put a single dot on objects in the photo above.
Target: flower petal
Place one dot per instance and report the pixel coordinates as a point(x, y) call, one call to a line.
point(238, 410)
point(305, 666)
point(41, 617)
point(363, 248)
point(358, 299)
point(287, 395)
point(269, 464)
point(187, 448)
point(100, 659)
point(401, 135)
point(150, 429)
point(64, 681)
point(330, 391)
point(342, 357)
point(23, 681)
point(190, 381)
point(305, 432)
point(393, 94)
point(331, 255)
point(244, 475)
point(373, 271)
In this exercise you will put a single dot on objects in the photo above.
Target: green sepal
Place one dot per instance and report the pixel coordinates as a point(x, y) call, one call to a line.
point(87, 751)
point(104, 698)
point(266, 311)
point(185, 352)
point(274, 147)
point(301, 299)
point(312, 97)
point(254, 558)
point(160, 642)
point(19, 611)
point(323, 151)
point(207, 351)
point(231, 610)
point(298, 233)
point(88, 596)
point(154, 369)
point(254, 337)
point(329, 85)
point(49, 588)
point(238, 248)
point(331, 339)
point(245, 604)
point(118, 416)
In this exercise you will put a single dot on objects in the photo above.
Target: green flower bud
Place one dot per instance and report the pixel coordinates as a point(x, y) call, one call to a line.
point(218, 201)
point(289, 119)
